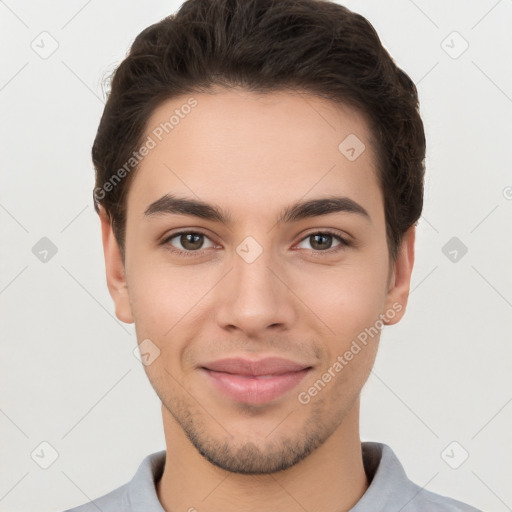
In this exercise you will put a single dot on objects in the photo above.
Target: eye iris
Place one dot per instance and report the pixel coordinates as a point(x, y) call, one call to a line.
point(317, 245)
point(191, 241)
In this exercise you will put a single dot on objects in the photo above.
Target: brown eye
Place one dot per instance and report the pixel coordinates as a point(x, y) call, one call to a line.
point(188, 241)
point(324, 241)
point(321, 241)
point(191, 241)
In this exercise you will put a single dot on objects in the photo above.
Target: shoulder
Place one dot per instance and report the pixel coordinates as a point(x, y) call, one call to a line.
point(390, 488)
point(139, 494)
point(428, 500)
point(110, 502)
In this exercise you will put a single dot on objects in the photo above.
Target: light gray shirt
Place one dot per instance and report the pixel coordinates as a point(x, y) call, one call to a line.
point(389, 491)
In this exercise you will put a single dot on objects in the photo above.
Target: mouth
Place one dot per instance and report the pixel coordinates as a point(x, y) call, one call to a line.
point(254, 382)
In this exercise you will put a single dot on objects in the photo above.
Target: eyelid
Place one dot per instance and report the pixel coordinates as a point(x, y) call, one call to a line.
point(328, 231)
point(345, 241)
point(168, 237)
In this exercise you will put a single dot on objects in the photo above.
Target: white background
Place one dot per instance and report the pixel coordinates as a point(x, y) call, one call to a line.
point(68, 374)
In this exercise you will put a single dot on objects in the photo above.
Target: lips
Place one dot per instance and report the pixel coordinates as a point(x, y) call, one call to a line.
point(267, 366)
point(254, 382)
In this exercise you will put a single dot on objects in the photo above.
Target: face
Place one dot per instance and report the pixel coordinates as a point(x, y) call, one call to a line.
point(255, 275)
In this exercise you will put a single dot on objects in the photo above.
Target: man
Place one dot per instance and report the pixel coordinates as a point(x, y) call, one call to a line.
point(259, 174)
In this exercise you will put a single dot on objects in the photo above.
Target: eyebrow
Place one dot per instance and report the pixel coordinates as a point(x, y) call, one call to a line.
point(170, 204)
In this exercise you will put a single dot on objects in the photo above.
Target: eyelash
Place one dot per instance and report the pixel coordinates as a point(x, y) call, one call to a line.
point(194, 254)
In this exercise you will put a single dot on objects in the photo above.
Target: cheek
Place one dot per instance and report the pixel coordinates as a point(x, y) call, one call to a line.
point(161, 295)
point(168, 305)
point(348, 299)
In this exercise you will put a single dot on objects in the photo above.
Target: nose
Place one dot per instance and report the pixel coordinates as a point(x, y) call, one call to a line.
point(255, 297)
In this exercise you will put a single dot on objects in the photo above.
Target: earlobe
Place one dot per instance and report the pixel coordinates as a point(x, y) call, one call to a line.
point(399, 285)
point(115, 271)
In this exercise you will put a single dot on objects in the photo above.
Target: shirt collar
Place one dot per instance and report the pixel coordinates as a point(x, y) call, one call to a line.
point(141, 493)
point(389, 485)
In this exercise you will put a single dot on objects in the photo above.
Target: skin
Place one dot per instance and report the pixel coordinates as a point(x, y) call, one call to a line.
point(253, 155)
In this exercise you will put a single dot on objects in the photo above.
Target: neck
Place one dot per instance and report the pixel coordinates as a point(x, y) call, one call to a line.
point(331, 479)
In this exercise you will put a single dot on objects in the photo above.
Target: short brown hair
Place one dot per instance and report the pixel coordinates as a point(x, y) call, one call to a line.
point(266, 45)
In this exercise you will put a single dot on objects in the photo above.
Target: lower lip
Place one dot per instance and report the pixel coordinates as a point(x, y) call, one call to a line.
point(254, 390)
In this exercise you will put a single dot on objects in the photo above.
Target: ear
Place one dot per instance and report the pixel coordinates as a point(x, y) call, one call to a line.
point(114, 266)
point(400, 279)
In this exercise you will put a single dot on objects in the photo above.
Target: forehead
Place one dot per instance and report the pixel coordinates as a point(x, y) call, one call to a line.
point(250, 149)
